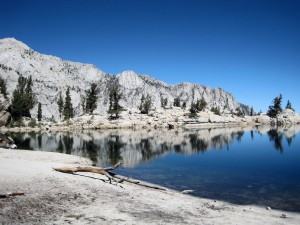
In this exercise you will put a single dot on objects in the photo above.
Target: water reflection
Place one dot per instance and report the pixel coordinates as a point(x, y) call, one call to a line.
point(276, 137)
point(134, 147)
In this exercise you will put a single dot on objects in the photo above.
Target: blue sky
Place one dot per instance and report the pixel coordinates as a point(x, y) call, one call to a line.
point(249, 48)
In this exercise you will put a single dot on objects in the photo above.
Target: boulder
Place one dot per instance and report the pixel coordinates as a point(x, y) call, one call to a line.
point(288, 113)
point(4, 118)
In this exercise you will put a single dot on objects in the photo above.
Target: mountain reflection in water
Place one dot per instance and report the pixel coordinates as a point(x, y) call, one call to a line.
point(256, 165)
point(134, 147)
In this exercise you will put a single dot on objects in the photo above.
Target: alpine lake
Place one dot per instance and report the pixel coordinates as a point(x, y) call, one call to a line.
point(248, 166)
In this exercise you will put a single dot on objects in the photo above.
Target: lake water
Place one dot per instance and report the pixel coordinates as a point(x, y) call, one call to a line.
point(256, 165)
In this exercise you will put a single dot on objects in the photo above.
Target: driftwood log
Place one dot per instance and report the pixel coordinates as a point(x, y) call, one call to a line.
point(90, 169)
point(106, 172)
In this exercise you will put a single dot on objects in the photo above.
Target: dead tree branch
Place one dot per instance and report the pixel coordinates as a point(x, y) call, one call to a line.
point(106, 172)
point(6, 195)
point(90, 169)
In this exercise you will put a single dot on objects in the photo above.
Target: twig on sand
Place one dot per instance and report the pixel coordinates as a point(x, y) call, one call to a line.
point(6, 195)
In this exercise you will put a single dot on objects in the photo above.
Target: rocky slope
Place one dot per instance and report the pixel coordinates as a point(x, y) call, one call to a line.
point(52, 75)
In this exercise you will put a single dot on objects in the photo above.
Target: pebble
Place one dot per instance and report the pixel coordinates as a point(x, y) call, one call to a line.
point(187, 191)
point(283, 216)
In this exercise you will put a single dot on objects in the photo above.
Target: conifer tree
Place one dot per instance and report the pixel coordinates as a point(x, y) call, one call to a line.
point(163, 102)
point(201, 104)
point(193, 110)
point(142, 102)
point(3, 89)
point(275, 109)
point(39, 115)
point(29, 97)
point(239, 112)
point(289, 105)
point(216, 110)
point(146, 104)
point(183, 105)
point(83, 103)
point(23, 99)
point(68, 108)
point(60, 103)
point(114, 98)
point(177, 102)
point(91, 98)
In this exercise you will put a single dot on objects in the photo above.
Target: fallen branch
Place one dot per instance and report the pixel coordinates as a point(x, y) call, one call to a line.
point(106, 172)
point(6, 195)
point(90, 169)
point(114, 166)
point(129, 180)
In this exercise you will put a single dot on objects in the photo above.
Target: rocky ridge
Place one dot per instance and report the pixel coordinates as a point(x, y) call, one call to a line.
point(52, 75)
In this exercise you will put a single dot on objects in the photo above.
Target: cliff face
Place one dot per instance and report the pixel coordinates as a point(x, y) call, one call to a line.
point(51, 75)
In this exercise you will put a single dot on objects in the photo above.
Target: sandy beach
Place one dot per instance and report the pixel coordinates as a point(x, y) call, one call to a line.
point(52, 197)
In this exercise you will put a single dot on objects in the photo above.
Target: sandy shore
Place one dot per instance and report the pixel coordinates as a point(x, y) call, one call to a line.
point(56, 198)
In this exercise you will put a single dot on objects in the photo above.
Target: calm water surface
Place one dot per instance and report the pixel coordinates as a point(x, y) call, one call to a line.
point(243, 166)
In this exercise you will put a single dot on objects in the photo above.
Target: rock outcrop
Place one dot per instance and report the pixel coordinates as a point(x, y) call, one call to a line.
point(52, 75)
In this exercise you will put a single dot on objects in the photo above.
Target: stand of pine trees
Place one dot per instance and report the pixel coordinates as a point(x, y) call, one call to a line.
point(114, 97)
point(23, 99)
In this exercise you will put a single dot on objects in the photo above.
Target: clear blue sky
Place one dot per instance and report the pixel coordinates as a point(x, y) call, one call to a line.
point(249, 48)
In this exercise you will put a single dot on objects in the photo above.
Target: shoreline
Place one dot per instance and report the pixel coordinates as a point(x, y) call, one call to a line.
point(56, 198)
point(174, 118)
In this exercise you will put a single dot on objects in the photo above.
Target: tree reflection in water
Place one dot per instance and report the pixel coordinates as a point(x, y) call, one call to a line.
point(197, 143)
point(92, 149)
point(275, 136)
point(146, 149)
point(134, 147)
point(114, 146)
point(68, 142)
point(39, 140)
point(60, 146)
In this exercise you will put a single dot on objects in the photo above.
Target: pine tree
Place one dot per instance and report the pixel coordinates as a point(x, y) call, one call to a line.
point(30, 97)
point(146, 104)
point(83, 103)
point(251, 112)
point(142, 102)
point(91, 98)
point(239, 112)
point(216, 110)
point(183, 105)
point(68, 108)
point(289, 105)
point(114, 98)
point(163, 102)
point(60, 103)
point(177, 102)
point(3, 89)
point(23, 99)
point(275, 109)
point(200, 104)
point(39, 115)
point(193, 110)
